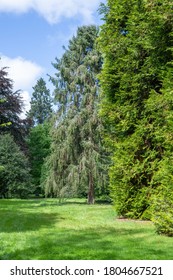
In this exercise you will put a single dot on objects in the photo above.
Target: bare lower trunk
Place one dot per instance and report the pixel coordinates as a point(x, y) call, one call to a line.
point(91, 190)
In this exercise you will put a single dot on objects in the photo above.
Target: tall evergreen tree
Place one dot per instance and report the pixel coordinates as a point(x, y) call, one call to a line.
point(41, 103)
point(137, 98)
point(77, 161)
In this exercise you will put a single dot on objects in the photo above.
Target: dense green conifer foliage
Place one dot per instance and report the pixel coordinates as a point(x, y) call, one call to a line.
point(137, 104)
point(41, 103)
point(77, 164)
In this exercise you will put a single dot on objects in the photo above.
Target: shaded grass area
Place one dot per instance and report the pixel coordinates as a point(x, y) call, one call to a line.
point(44, 229)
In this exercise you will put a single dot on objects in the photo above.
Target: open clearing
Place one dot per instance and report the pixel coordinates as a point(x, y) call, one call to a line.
point(43, 229)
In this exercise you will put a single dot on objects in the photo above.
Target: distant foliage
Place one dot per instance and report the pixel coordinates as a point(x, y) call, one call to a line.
point(137, 106)
point(39, 148)
point(14, 170)
point(41, 103)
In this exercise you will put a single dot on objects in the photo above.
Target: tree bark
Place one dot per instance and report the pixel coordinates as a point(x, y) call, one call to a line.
point(91, 190)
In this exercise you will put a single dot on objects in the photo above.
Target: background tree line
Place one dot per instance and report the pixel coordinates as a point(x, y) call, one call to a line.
point(65, 148)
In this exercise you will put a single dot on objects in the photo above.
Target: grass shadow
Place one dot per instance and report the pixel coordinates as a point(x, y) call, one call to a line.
point(90, 245)
point(19, 203)
point(22, 221)
point(57, 203)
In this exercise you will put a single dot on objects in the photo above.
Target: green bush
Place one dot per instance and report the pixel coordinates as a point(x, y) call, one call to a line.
point(162, 201)
point(162, 211)
point(14, 169)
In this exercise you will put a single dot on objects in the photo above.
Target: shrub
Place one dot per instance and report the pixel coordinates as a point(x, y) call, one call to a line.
point(162, 211)
point(14, 171)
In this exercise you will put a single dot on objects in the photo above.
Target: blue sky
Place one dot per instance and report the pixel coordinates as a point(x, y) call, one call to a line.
point(33, 33)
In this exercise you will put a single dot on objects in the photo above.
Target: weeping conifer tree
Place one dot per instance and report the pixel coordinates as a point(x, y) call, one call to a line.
point(77, 161)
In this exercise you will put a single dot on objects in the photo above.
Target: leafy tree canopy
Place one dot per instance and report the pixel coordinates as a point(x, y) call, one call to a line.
point(39, 148)
point(10, 109)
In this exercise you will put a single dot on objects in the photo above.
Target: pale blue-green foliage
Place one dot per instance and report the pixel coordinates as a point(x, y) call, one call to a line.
point(77, 160)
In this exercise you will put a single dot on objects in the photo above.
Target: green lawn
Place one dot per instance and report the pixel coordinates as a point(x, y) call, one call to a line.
point(44, 229)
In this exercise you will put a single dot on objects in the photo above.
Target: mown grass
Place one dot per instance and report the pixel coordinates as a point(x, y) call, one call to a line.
point(46, 230)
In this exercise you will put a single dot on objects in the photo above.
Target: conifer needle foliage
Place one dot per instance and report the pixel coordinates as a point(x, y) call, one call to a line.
point(77, 161)
point(41, 103)
point(137, 104)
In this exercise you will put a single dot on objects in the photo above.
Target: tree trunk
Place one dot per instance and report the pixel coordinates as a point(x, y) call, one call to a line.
point(91, 190)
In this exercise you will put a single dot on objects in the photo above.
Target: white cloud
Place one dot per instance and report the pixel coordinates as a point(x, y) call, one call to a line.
point(53, 10)
point(26, 99)
point(24, 74)
point(18, 6)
